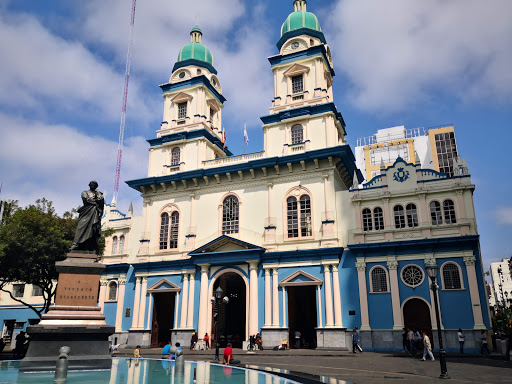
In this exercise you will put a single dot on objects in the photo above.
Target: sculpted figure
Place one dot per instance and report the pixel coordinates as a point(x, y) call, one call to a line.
point(88, 231)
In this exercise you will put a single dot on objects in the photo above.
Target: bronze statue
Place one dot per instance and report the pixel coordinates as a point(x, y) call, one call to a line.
point(88, 231)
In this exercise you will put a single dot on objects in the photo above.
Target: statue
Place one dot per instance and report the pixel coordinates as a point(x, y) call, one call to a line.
point(88, 231)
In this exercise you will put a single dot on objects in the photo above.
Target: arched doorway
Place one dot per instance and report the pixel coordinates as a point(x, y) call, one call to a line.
point(417, 315)
point(232, 316)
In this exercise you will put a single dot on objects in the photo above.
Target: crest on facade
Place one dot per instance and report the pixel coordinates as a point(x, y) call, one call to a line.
point(400, 175)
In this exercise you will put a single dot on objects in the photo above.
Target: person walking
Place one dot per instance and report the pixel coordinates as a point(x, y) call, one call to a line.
point(355, 342)
point(410, 339)
point(461, 337)
point(206, 339)
point(405, 345)
point(297, 339)
point(427, 347)
point(485, 346)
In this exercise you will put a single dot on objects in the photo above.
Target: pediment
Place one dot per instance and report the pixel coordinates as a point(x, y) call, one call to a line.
point(225, 244)
point(212, 103)
point(300, 278)
point(181, 97)
point(164, 285)
point(296, 69)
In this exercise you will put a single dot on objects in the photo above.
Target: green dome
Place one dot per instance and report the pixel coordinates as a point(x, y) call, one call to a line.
point(299, 20)
point(195, 51)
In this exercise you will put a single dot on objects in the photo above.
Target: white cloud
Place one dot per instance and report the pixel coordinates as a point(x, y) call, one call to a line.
point(57, 162)
point(504, 215)
point(40, 71)
point(396, 52)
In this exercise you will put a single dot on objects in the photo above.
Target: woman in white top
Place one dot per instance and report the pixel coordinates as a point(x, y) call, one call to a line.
point(461, 340)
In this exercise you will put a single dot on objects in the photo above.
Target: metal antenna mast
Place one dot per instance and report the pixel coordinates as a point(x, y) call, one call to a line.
point(123, 110)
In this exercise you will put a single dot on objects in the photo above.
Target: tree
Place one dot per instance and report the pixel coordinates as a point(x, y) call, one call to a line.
point(32, 240)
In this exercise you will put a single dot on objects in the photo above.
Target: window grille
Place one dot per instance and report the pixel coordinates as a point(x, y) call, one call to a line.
point(292, 217)
point(399, 217)
point(175, 157)
point(121, 244)
point(378, 217)
point(175, 222)
point(182, 111)
point(379, 280)
point(446, 151)
point(367, 220)
point(305, 215)
point(114, 245)
point(18, 290)
point(435, 213)
point(297, 134)
point(230, 215)
point(297, 84)
point(112, 291)
point(37, 291)
point(412, 215)
point(451, 277)
point(164, 230)
point(412, 275)
point(449, 212)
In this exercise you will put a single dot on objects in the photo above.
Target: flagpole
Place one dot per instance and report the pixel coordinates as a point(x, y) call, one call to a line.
point(245, 128)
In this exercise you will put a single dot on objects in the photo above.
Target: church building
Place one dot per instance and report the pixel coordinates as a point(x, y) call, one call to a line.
point(294, 235)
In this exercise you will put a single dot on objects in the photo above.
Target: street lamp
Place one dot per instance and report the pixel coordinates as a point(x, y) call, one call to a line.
point(432, 269)
point(216, 301)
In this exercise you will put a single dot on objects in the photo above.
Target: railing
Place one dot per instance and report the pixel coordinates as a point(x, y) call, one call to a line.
point(232, 159)
point(375, 182)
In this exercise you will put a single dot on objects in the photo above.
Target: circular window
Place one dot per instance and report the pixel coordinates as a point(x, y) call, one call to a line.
point(214, 82)
point(199, 72)
point(295, 45)
point(181, 75)
point(412, 275)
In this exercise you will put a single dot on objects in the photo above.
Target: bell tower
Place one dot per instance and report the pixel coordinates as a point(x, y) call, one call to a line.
point(303, 115)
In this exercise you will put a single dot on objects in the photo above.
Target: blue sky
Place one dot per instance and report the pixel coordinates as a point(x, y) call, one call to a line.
point(398, 62)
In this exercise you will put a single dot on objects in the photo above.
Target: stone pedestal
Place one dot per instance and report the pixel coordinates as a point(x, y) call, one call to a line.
point(272, 337)
point(73, 321)
point(140, 337)
point(182, 336)
point(332, 338)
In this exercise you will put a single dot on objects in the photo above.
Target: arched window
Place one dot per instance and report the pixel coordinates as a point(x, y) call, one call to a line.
point(412, 215)
point(175, 157)
point(175, 221)
point(435, 213)
point(305, 215)
point(449, 212)
point(164, 230)
point(112, 291)
point(121, 244)
point(451, 276)
point(297, 134)
point(292, 217)
point(399, 216)
point(379, 280)
point(378, 217)
point(367, 220)
point(114, 245)
point(230, 215)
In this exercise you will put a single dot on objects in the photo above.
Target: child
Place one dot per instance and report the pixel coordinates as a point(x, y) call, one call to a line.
point(136, 352)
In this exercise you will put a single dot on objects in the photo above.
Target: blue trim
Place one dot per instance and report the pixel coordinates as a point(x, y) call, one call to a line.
point(189, 236)
point(124, 218)
point(189, 135)
point(327, 221)
point(116, 268)
point(302, 255)
point(312, 51)
point(301, 31)
point(270, 227)
point(342, 152)
point(163, 266)
point(191, 82)
point(304, 111)
point(199, 63)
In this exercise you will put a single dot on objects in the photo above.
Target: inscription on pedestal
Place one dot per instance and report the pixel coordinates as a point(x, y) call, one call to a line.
point(75, 289)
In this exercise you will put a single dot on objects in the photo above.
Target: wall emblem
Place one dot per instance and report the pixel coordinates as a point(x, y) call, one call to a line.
point(401, 175)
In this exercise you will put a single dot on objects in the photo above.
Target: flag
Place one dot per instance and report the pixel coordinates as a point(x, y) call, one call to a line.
point(246, 137)
point(223, 137)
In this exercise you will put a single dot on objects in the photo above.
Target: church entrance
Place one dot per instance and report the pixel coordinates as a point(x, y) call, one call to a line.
point(163, 318)
point(232, 316)
point(302, 316)
point(417, 315)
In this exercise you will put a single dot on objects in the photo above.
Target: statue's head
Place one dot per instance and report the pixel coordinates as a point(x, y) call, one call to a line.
point(93, 185)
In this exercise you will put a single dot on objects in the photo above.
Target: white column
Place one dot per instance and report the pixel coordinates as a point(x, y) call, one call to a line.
point(253, 303)
point(363, 295)
point(337, 298)
point(473, 292)
point(190, 316)
point(184, 302)
point(320, 315)
point(328, 296)
point(142, 309)
point(275, 299)
point(203, 301)
point(176, 307)
point(192, 209)
point(326, 195)
point(103, 293)
point(120, 304)
point(150, 312)
point(284, 307)
point(269, 207)
point(135, 314)
point(395, 294)
point(268, 314)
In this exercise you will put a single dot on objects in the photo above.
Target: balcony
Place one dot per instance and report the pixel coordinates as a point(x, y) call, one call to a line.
point(232, 160)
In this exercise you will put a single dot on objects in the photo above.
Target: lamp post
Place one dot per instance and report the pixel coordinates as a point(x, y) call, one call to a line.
point(432, 269)
point(216, 301)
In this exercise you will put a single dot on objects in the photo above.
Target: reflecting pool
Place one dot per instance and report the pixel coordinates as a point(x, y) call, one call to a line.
point(145, 371)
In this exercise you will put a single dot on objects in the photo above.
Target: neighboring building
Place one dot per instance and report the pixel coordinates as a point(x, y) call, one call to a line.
point(287, 233)
point(501, 282)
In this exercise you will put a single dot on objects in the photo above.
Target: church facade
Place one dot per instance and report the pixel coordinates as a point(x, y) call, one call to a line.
point(293, 237)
